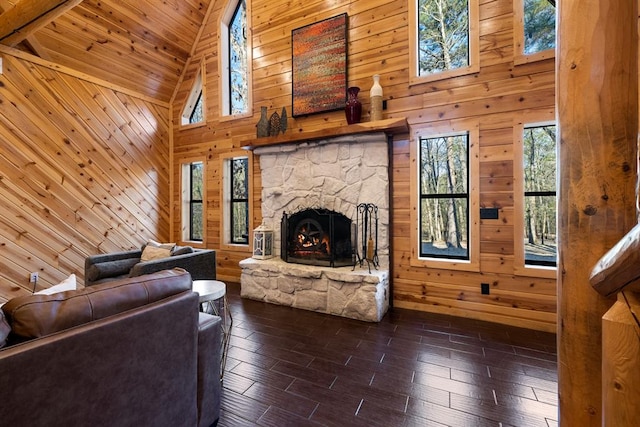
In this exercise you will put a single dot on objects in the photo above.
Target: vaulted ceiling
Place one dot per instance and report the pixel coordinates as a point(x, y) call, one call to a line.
point(142, 45)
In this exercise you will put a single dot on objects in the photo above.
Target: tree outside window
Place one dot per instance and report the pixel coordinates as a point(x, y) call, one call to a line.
point(540, 233)
point(539, 25)
point(238, 60)
point(196, 201)
point(443, 35)
point(444, 197)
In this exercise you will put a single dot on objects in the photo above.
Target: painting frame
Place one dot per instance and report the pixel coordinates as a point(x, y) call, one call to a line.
point(319, 66)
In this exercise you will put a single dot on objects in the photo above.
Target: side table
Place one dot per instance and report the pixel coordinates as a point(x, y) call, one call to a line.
point(213, 300)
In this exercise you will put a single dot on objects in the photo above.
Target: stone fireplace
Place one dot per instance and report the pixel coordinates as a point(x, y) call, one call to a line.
point(308, 189)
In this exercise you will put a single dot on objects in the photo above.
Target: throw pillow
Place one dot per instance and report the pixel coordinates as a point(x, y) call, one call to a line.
point(181, 250)
point(155, 250)
point(68, 284)
point(110, 269)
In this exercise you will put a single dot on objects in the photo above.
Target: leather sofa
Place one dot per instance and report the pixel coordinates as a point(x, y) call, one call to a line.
point(131, 352)
point(200, 263)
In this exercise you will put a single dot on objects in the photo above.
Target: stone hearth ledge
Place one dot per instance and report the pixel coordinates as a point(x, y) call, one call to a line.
point(340, 291)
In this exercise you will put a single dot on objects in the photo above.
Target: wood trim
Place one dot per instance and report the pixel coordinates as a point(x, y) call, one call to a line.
point(390, 126)
point(224, 158)
point(474, 47)
point(519, 267)
point(473, 127)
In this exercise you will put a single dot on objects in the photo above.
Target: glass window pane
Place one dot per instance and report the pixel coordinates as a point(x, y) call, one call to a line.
point(540, 244)
point(238, 62)
point(444, 228)
point(540, 199)
point(239, 172)
point(197, 115)
point(539, 25)
point(444, 164)
point(196, 221)
point(443, 35)
point(539, 158)
point(196, 181)
point(240, 226)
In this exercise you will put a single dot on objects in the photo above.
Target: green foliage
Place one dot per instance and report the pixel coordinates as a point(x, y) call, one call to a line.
point(539, 26)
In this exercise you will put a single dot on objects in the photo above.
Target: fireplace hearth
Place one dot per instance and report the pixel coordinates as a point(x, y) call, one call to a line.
point(317, 237)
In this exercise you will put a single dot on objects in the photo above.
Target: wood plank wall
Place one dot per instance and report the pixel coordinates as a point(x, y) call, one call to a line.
point(499, 96)
point(84, 169)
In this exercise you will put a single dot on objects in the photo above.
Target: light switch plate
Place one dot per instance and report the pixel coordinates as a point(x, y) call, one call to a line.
point(0, 64)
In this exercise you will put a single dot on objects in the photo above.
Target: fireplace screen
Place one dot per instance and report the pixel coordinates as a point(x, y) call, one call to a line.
point(317, 237)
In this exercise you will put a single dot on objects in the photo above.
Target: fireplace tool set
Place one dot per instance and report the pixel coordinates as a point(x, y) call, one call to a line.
point(366, 236)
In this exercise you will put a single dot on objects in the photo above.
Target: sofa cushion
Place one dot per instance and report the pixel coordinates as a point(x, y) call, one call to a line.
point(115, 268)
point(33, 316)
point(4, 329)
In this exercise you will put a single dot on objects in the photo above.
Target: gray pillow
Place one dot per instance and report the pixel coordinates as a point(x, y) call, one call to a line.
point(182, 250)
point(110, 269)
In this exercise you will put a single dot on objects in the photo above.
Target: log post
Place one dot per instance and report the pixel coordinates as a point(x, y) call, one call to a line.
point(621, 362)
point(597, 98)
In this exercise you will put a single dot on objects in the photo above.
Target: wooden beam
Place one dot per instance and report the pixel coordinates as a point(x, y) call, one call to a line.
point(597, 107)
point(28, 16)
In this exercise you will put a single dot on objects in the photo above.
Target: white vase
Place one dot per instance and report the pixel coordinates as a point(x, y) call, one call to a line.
point(375, 95)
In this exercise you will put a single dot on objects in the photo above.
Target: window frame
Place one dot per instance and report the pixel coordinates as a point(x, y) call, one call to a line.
point(520, 265)
point(474, 47)
point(224, 61)
point(197, 91)
point(520, 57)
point(225, 197)
point(435, 130)
point(186, 201)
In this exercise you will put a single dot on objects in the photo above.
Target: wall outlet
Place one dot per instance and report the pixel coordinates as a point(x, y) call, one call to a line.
point(484, 288)
point(33, 278)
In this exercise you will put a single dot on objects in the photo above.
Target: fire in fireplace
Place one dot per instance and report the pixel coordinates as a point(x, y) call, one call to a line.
point(317, 237)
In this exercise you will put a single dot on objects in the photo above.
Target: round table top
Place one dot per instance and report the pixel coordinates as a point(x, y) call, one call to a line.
point(209, 289)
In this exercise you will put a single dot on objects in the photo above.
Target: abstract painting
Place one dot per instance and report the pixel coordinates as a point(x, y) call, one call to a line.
point(319, 65)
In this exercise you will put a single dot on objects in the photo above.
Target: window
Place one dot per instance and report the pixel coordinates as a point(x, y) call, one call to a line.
point(236, 59)
point(236, 208)
point(535, 29)
point(444, 39)
point(192, 198)
point(445, 197)
point(193, 112)
point(539, 164)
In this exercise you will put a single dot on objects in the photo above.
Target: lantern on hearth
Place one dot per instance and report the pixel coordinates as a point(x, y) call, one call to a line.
point(262, 242)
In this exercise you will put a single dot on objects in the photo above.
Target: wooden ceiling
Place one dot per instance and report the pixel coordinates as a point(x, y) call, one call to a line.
point(141, 45)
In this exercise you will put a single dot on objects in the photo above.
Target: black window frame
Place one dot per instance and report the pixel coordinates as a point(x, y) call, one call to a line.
point(244, 240)
point(195, 202)
point(466, 196)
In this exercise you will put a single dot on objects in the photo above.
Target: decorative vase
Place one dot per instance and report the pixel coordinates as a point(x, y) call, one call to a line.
point(353, 109)
point(375, 95)
point(263, 123)
point(274, 124)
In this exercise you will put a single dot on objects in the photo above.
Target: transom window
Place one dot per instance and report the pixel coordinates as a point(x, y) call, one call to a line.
point(444, 38)
point(534, 30)
point(193, 111)
point(540, 228)
point(444, 196)
point(236, 59)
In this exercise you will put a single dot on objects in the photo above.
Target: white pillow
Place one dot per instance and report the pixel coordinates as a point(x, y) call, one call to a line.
point(68, 284)
point(155, 250)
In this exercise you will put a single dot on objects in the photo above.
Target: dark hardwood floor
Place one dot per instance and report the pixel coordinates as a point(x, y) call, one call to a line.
point(289, 367)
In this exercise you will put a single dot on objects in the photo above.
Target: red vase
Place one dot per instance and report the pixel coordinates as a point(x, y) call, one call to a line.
point(353, 109)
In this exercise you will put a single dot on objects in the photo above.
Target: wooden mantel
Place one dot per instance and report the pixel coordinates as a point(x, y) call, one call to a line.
point(389, 126)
